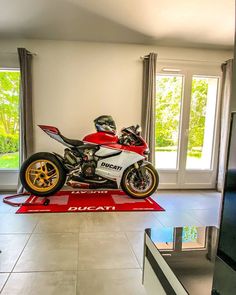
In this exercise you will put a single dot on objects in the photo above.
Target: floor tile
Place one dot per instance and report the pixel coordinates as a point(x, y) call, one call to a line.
point(99, 222)
point(5, 208)
point(173, 218)
point(107, 248)
point(12, 223)
point(211, 193)
point(206, 217)
point(41, 283)
point(107, 282)
point(3, 278)
point(49, 252)
point(11, 247)
point(58, 223)
point(185, 200)
point(137, 221)
point(136, 240)
point(105, 251)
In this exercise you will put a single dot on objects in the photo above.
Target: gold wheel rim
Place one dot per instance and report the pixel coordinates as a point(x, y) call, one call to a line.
point(140, 195)
point(42, 175)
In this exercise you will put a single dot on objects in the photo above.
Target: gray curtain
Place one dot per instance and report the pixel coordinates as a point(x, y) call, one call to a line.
point(226, 90)
point(148, 102)
point(26, 118)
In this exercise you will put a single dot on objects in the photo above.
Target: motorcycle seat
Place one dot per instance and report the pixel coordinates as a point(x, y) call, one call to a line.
point(73, 142)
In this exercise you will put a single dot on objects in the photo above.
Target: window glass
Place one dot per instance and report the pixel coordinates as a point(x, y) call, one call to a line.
point(9, 119)
point(202, 122)
point(168, 107)
point(193, 237)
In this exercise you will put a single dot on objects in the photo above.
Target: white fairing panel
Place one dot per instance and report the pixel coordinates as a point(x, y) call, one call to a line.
point(57, 137)
point(103, 151)
point(113, 167)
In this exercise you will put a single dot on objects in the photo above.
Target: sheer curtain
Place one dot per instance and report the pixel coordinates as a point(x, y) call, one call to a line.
point(148, 102)
point(227, 69)
point(26, 117)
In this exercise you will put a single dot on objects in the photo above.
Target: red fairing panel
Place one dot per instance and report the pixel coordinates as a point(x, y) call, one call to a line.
point(51, 129)
point(110, 140)
point(101, 138)
point(132, 148)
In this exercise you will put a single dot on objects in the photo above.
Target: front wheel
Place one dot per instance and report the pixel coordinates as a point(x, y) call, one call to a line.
point(140, 185)
point(42, 174)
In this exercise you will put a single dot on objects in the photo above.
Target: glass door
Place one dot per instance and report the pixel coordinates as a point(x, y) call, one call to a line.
point(202, 122)
point(200, 158)
point(186, 121)
point(168, 117)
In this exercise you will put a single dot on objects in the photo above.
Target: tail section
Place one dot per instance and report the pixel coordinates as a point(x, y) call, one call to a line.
point(49, 129)
point(54, 133)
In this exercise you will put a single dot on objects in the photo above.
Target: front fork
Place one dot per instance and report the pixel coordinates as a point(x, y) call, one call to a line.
point(140, 170)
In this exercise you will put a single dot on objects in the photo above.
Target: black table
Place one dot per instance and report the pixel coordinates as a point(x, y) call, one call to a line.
point(179, 260)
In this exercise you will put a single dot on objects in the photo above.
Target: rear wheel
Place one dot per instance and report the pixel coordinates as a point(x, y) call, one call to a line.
point(137, 186)
point(42, 174)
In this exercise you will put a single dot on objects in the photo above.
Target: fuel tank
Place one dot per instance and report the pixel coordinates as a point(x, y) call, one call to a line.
point(101, 138)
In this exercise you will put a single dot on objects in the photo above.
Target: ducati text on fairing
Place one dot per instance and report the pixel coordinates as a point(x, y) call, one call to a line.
point(107, 165)
point(103, 160)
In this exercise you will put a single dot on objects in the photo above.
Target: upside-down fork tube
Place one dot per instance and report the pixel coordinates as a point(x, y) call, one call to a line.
point(141, 169)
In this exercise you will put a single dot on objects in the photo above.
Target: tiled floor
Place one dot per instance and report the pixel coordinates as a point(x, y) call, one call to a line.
point(89, 253)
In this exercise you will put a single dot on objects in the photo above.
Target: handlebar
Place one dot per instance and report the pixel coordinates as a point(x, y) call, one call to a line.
point(132, 129)
point(131, 135)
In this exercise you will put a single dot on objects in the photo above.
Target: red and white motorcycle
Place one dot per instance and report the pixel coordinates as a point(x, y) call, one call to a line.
point(101, 160)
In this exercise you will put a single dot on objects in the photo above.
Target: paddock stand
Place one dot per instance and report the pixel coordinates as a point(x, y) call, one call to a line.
point(7, 200)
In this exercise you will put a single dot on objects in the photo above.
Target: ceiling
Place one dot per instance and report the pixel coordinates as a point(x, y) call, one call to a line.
point(198, 23)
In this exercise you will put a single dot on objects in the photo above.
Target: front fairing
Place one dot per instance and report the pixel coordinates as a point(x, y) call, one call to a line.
point(112, 163)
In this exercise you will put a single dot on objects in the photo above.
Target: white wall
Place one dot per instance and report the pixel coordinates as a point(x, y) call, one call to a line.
point(74, 82)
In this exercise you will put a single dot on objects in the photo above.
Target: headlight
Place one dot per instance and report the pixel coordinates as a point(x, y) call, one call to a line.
point(147, 151)
point(138, 130)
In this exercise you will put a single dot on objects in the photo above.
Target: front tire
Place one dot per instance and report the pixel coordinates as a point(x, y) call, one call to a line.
point(139, 188)
point(42, 174)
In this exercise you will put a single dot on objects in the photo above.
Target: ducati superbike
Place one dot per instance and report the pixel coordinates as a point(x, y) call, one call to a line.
point(101, 160)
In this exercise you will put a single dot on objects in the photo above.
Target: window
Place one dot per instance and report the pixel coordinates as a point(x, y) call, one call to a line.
point(193, 237)
point(9, 119)
point(165, 238)
point(186, 117)
point(178, 239)
point(202, 122)
point(168, 109)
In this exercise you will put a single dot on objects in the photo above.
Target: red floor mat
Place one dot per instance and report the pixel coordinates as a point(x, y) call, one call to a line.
point(89, 201)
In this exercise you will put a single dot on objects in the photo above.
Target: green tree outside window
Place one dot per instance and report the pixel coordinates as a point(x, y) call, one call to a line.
point(9, 119)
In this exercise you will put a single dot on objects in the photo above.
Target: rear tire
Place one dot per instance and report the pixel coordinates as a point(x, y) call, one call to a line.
point(42, 174)
point(136, 193)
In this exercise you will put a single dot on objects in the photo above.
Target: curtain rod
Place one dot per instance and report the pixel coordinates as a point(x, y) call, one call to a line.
point(143, 57)
point(183, 60)
point(5, 52)
point(146, 56)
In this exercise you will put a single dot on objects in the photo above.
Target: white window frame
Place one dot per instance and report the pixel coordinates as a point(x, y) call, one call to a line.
point(174, 178)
